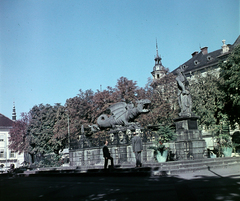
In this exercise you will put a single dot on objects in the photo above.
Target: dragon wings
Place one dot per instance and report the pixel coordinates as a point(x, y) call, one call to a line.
point(119, 109)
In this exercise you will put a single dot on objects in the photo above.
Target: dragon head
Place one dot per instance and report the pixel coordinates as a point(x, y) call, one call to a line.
point(143, 105)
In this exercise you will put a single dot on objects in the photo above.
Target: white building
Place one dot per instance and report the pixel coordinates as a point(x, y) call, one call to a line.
point(7, 156)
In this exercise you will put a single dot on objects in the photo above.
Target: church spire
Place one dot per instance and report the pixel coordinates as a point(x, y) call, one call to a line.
point(159, 70)
point(157, 57)
point(14, 116)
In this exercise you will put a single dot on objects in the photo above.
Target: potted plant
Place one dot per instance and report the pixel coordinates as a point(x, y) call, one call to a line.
point(224, 142)
point(224, 147)
point(161, 147)
point(160, 151)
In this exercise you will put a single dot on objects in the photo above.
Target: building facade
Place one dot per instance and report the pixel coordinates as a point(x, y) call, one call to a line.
point(203, 60)
point(7, 156)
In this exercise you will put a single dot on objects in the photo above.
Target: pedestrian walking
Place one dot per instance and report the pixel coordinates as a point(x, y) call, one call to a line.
point(137, 149)
point(107, 156)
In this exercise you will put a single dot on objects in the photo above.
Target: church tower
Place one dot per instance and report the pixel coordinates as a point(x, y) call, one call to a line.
point(14, 116)
point(159, 70)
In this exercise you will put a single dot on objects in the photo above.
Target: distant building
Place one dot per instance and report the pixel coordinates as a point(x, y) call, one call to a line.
point(203, 61)
point(7, 156)
point(200, 62)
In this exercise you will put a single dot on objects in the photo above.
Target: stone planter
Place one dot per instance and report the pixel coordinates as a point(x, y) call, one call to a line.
point(162, 157)
point(227, 151)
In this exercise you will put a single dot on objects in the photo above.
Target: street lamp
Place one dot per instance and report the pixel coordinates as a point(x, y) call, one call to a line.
point(68, 131)
point(68, 134)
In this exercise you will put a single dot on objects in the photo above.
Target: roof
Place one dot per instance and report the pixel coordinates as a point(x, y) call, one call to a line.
point(237, 41)
point(201, 60)
point(5, 121)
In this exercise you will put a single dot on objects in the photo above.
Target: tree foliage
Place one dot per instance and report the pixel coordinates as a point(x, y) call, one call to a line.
point(80, 111)
point(60, 137)
point(126, 89)
point(163, 96)
point(230, 85)
point(165, 134)
point(51, 127)
point(207, 100)
point(19, 138)
point(43, 119)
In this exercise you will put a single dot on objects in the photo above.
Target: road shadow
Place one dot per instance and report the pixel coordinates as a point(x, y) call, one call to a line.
point(118, 188)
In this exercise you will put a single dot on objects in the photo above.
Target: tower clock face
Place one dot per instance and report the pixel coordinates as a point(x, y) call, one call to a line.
point(157, 67)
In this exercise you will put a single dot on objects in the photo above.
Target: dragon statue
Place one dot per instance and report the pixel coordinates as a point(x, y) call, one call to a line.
point(121, 114)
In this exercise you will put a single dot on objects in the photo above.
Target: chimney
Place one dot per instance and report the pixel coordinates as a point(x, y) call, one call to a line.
point(194, 53)
point(204, 50)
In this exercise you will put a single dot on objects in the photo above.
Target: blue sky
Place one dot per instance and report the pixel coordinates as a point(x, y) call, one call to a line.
point(49, 49)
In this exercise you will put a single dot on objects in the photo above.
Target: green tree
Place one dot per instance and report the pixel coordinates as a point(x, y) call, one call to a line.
point(230, 85)
point(41, 128)
point(207, 100)
point(60, 138)
point(165, 134)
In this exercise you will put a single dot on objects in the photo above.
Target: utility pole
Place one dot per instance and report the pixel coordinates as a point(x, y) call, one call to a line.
point(68, 129)
point(68, 133)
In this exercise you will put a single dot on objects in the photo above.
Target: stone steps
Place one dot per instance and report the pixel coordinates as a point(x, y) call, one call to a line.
point(195, 165)
point(148, 169)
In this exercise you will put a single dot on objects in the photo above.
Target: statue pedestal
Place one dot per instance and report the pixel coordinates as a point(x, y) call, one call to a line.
point(189, 143)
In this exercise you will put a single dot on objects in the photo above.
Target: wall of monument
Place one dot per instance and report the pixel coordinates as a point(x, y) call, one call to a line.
point(122, 154)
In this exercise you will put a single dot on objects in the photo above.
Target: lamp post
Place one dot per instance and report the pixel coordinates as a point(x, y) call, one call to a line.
point(68, 134)
point(68, 130)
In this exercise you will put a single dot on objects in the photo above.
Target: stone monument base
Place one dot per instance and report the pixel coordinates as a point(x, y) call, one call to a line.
point(189, 143)
point(189, 150)
point(122, 154)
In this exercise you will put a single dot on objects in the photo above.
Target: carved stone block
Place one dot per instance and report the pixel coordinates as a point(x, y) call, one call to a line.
point(189, 143)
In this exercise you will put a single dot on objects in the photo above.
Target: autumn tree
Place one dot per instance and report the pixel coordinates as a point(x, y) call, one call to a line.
point(230, 85)
point(80, 112)
point(126, 90)
point(19, 138)
point(163, 96)
point(102, 100)
point(51, 127)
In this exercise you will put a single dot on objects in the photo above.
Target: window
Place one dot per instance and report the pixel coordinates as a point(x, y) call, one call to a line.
point(209, 58)
point(196, 62)
point(12, 154)
point(1, 153)
point(1, 140)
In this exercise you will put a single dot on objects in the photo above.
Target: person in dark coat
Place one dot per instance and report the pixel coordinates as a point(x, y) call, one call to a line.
point(107, 156)
point(137, 149)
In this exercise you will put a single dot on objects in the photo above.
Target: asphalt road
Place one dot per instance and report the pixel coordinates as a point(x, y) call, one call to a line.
point(205, 186)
